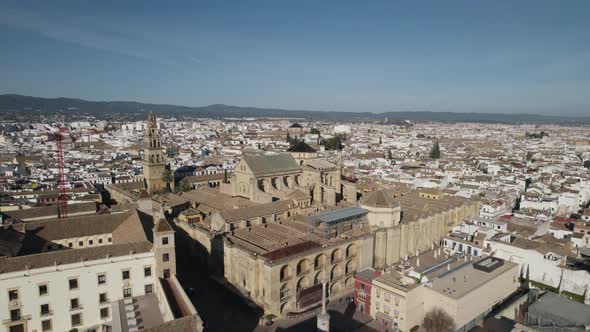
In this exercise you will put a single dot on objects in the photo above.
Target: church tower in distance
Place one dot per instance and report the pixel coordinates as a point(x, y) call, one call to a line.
point(153, 158)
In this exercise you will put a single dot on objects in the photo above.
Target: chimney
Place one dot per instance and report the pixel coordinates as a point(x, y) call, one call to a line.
point(418, 262)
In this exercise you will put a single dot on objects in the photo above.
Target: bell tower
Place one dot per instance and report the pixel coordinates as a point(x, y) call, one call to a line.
point(153, 158)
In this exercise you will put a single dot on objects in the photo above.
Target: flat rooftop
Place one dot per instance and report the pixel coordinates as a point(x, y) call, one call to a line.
point(431, 266)
point(558, 308)
point(396, 280)
point(466, 278)
point(142, 313)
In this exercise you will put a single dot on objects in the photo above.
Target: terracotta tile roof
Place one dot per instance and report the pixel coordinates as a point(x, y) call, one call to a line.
point(68, 256)
point(51, 211)
point(271, 164)
point(301, 146)
point(163, 226)
point(291, 250)
point(380, 198)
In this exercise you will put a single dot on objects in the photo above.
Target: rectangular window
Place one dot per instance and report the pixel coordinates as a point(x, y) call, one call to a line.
point(166, 273)
point(126, 275)
point(90, 242)
point(102, 297)
point(102, 279)
point(386, 296)
point(44, 309)
point(80, 243)
point(13, 294)
point(42, 290)
point(46, 325)
point(99, 241)
point(15, 315)
point(74, 304)
point(147, 271)
point(165, 240)
point(378, 293)
point(127, 292)
point(165, 257)
point(73, 283)
point(149, 289)
point(104, 312)
point(109, 239)
point(70, 244)
point(76, 319)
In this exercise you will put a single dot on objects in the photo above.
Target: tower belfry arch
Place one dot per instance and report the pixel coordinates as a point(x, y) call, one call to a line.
point(153, 158)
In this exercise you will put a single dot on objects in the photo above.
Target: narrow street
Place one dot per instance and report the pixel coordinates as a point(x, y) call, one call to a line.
point(220, 309)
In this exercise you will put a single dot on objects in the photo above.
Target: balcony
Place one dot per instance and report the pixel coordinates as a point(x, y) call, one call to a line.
point(79, 307)
point(20, 318)
point(46, 313)
point(14, 304)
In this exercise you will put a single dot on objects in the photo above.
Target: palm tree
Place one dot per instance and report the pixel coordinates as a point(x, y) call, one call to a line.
point(168, 177)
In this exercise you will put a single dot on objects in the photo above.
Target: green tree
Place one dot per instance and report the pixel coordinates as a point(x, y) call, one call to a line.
point(334, 143)
point(168, 177)
point(183, 186)
point(435, 152)
point(314, 131)
point(437, 320)
point(292, 140)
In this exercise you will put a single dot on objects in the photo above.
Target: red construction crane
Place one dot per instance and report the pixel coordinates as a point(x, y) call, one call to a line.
point(63, 200)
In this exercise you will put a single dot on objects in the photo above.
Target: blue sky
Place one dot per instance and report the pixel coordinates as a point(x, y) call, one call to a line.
point(464, 56)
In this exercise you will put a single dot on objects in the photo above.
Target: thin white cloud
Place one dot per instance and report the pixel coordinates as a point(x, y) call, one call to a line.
point(91, 35)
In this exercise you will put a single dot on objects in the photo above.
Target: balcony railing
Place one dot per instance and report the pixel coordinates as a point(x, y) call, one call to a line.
point(20, 318)
point(46, 313)
point(14, 304)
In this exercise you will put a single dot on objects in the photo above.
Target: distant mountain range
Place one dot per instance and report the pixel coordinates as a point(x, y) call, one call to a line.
point(23, 105)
